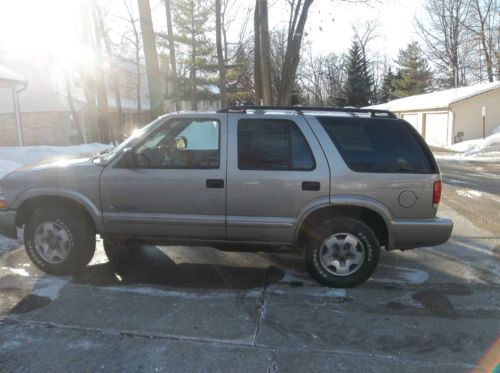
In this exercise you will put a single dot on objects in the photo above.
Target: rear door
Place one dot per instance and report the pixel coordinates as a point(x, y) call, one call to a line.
point(177, 189)
point(276, 170)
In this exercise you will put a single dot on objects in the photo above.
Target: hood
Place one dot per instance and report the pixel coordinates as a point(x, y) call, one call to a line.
point(58, 163)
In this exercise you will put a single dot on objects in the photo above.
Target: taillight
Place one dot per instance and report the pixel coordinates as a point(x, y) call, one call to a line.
point(436, 193)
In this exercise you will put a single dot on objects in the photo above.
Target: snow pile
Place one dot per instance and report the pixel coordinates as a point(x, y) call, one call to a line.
point(476, 150)
point(14, 157)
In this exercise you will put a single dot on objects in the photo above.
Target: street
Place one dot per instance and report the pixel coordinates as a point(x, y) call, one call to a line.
point(197, 309)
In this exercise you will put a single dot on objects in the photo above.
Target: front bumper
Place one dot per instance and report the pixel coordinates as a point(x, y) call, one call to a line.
point(8, 223)
point(410, 234)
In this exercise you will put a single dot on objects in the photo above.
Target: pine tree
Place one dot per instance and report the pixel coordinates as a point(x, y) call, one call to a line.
point(191, 19)
point(415, 76)
point(358, 86)
point(387, 90)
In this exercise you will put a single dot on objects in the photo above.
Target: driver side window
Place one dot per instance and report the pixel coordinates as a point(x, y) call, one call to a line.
point(182, 143)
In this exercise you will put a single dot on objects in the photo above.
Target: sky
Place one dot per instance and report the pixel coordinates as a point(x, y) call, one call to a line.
point(53, 24)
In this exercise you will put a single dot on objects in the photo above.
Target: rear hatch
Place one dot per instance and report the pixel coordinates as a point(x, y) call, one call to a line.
point(385, 159)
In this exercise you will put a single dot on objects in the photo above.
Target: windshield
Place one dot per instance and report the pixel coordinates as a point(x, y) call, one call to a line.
point(111, 153)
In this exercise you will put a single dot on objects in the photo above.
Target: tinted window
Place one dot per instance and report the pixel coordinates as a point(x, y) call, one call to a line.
point(269, 144)
point(378, 145)
point(181, 143)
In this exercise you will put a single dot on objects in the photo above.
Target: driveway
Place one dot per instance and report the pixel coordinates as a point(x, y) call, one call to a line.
point(186, 309)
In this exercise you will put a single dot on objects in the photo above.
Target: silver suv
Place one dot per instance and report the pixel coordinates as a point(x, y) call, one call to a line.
point(339, 183)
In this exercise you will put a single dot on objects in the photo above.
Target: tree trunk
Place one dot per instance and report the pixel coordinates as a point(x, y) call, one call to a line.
point(151, 56)
point(265, 42)
point(173, 63)
point(114, 79)
point(220, 54)
point(483, 38)
point(137, 45)
point(257, 55)
point(193, 93)
point(74, 113)
point(105, 129)
point(88, 81)
point(292, 55)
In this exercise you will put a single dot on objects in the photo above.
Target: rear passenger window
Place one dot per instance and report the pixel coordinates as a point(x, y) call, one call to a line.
point(272, 144)
point(377, 145)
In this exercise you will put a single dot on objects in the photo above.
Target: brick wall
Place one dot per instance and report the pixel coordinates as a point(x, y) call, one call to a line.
point(56, 128)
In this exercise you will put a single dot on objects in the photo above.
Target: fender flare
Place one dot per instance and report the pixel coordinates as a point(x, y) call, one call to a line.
point(62, 192)
point(344, 200)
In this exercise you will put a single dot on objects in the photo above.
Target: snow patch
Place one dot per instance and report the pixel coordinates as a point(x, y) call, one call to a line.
point(17, 271)
point(487, 149)
point(469, 193)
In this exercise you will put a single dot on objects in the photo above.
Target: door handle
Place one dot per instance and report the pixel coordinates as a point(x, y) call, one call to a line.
point(215, 183)
point(311, 185)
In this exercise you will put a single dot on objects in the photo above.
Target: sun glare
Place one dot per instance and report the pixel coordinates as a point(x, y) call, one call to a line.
point(28, 27)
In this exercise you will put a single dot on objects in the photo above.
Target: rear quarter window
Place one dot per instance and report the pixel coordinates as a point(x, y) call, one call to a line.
point(379, 145)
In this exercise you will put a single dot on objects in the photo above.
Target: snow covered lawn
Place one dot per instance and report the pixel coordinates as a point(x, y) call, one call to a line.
point(487, 150)
point(12, 158)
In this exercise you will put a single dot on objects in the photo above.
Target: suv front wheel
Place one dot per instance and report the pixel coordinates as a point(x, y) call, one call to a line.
point(342, 252)
point(59, 241)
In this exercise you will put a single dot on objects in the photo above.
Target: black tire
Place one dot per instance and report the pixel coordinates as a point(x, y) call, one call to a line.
point(79, 230)
point(121, 254)
point(369, 245)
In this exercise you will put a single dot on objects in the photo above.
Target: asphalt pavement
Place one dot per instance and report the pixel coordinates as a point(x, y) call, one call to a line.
point(184, 309)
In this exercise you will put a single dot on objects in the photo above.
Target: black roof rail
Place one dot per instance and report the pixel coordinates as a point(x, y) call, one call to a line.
point(301, 109)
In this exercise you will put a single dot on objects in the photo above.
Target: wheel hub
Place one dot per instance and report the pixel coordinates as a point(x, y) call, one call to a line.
point(52, 242)
point(342, 254)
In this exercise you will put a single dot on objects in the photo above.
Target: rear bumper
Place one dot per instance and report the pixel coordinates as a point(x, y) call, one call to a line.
point(8, 223)
point(410, 234)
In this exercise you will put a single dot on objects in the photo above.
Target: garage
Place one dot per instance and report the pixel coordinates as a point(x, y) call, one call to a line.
point(412, 119)
point(457, 114)
point(436, 129)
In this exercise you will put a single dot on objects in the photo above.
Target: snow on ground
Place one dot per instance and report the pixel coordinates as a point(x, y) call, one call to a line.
point(487, 150)
point(12, 158)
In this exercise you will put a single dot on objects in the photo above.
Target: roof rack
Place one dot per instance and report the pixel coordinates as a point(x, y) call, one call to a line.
point(301, 109)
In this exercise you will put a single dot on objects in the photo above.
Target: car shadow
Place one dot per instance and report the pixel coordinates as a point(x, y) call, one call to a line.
point(154, 266)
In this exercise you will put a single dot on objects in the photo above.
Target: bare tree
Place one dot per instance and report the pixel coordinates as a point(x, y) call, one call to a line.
point(74, 113)
point(137, 45)
point(257, 54)
point(265, 42)
point(173, 61)
point(485, 30)
point(151, 57)
point(220, 54)
point(447, 38)
point(100, 83)
point(88, 72)
point(103, 34)
point(299, 10)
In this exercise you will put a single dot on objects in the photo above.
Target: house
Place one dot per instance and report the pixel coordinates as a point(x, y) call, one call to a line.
point(446, 117)
point(15, 83)
point(53, 105)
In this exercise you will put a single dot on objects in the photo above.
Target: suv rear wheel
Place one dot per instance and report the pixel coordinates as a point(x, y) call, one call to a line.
point(342, 252)
point(58, 241)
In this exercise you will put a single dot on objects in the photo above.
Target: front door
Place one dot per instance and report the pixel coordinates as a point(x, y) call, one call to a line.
point(276, 169)
point(177, 189)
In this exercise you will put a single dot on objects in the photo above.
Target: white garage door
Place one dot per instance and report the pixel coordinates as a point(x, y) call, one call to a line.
point(436, 129)
point(412, 119)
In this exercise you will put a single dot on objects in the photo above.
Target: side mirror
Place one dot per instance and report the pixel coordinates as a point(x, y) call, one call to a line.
point(181, 142)
point(130, 158)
